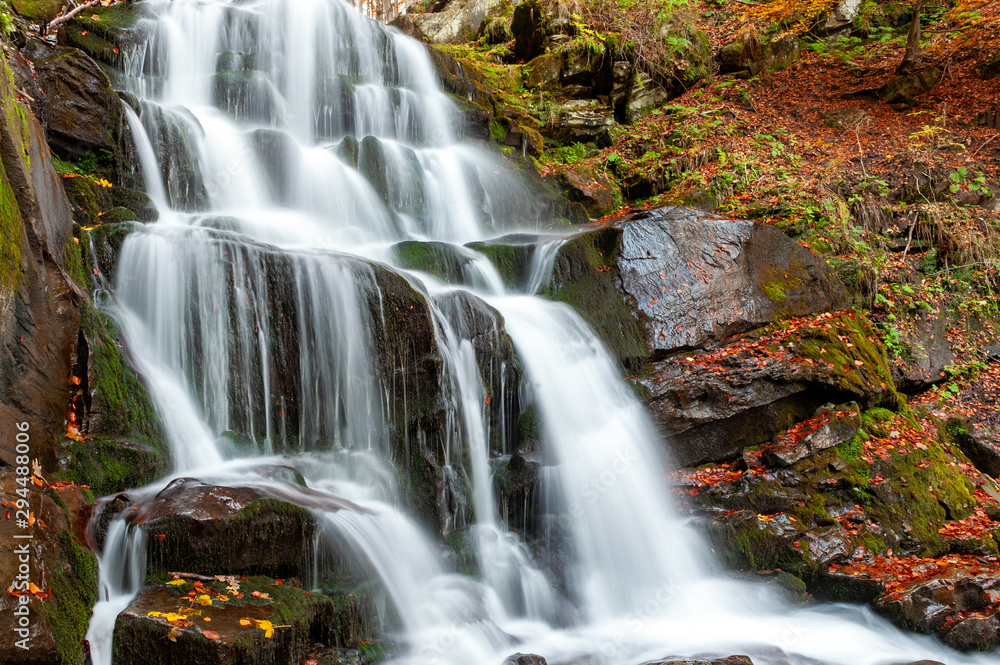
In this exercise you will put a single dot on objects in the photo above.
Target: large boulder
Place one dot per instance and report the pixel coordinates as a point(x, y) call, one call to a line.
point(675, 278)
point(752, 55)
point(240, 621)
point(714, 404)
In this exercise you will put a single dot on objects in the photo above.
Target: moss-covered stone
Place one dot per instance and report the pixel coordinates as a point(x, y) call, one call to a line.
point(73, 581)
point(103, 32)
point(303, 624)
point(109, 465)
point(583, 279)
point(10, 236)
point(439, 259)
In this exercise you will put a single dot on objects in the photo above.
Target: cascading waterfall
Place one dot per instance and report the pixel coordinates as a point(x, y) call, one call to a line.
point(287, 145)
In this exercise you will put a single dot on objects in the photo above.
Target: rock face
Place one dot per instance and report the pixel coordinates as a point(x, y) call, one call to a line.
point(752, 55)
point(81, 112)
point(39, 312)
point(64, 572)
point(714, 404)
point(928, 353)
point(688, 280)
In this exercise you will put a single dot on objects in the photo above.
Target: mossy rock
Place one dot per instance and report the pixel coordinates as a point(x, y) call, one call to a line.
point(439, 259)
point(303, 623)
point(512, 256)
point(42, 11)
point(109, 465)
point(583, 279)
point(105, 37)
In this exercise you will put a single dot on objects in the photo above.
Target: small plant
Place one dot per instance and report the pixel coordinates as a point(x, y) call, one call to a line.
point(6, 20)
point(974, 182)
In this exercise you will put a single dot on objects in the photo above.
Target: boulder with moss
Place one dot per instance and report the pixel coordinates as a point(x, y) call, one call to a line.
point(242, 621)
point(662, 281)
point(457, 22)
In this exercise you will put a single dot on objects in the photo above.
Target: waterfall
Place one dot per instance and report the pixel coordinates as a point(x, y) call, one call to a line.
point(289, 145)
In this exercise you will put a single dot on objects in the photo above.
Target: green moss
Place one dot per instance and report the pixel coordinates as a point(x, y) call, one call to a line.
point(775, 292)
point(512, 261)
point(437, 258)
point(37, 10)
point(73, 576)
point(581, 278)
point(110, 465)
point(496, 130)
point(10, 236)
point(127, 409)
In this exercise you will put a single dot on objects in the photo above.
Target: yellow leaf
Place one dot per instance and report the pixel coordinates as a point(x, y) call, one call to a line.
point(203, 599)
point(245, 622)
point(177, 583)
point(267, 626)
point(174, 633)
point(167, 616)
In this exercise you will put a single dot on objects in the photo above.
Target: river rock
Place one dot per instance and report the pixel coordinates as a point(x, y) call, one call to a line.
point(198, 528)
point(731, 660)
point(982, 448)
point(524, 659)
point(302, 623)
point(933, 606)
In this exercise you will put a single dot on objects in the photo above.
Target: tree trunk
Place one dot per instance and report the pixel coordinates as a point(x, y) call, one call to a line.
point(911, 60)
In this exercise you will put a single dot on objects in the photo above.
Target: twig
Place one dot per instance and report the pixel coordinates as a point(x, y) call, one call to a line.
point(986, 143)
point(59, 20)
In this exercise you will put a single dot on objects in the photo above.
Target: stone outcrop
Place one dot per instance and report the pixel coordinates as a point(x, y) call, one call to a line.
point(457, 22)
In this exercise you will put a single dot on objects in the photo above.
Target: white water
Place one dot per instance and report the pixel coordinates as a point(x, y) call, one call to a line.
point(262, 211)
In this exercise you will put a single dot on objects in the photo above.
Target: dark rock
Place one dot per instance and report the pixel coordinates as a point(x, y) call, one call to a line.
point(907, 87)
point(690, 280)
point(277, 149)
point(524, 659)
point(543, 71)
point(180, 168)
point(247, 95)
point(440, 259)
point(515, 483)
point(303, 623)
point(199, 528)
point(644, 97)
point(974, 634)
point(512, 256)
point(588, 187)
point(752, 56)
point(981, 449)
point(530, 27)
point(825, 430)
point(39, 303)
point(926, 606)
point(989, 68)
point(106, 34)
point(928, 353)
point(731, 660)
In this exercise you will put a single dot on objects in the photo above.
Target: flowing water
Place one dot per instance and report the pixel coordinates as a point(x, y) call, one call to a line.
point(288, 144)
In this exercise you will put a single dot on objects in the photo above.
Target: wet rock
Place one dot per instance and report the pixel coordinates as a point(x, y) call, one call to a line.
point(277, 149)
point(589, 188)
point(974, 634)
point(926, 606)
point(512, 256)
point(753, 55)
point(515, 482)
point(38, 301)
point(456, 23)
point(247, 95)
point(905, 88)
point(42, 11)
point(721, 402)
point(731, 660)
point(688, 279)
point(442, 260)
point(199, 528)
point(180, 168)
point(106, 34)
point(524, 659)
point(81, 111)
point(303, 623)
point(928, 353)
point(65, 573)
point(825, 430)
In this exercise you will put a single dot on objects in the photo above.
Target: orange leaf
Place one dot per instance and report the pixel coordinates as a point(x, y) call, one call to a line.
point(210, 634)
